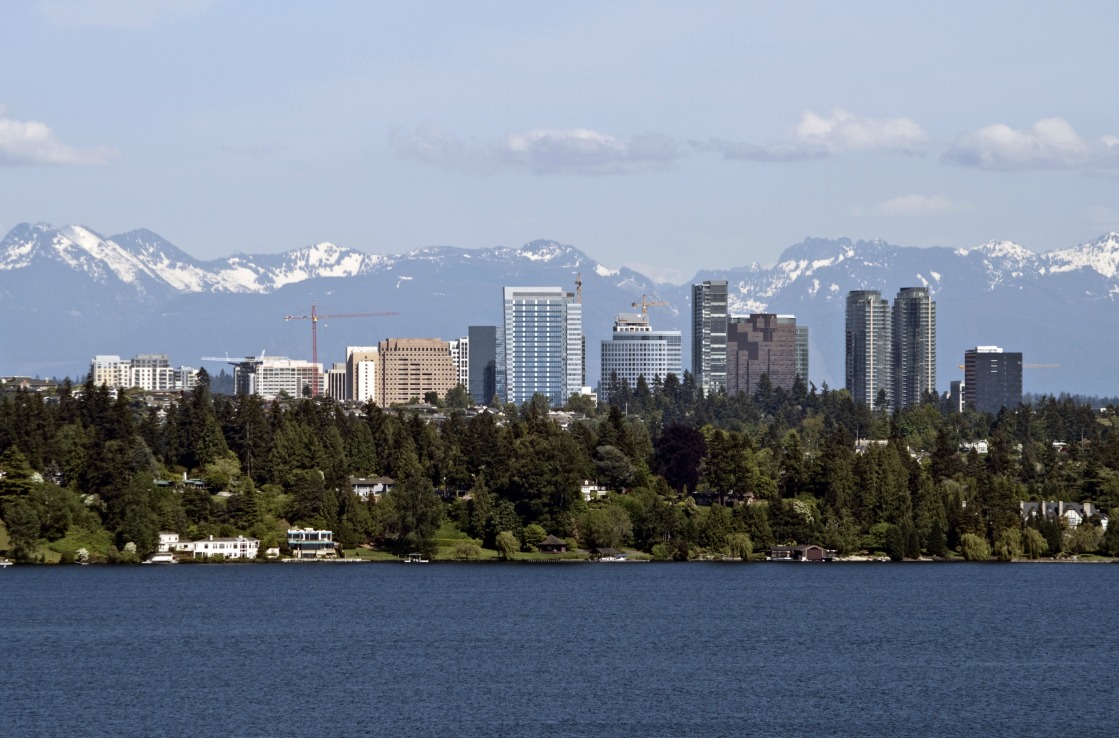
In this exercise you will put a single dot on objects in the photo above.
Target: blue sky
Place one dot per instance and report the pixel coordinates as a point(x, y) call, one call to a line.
point(669, 137)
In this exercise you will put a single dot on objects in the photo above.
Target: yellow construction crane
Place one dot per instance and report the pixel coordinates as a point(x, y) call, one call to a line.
point(645, 304)
point(1030, 366)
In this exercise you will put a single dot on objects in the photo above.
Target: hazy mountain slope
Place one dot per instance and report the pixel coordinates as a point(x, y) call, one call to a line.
point(68, 293)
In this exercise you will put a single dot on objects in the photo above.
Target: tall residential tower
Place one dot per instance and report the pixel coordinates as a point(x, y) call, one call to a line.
point(869, 348)
point(914, 347)
point(709, 334)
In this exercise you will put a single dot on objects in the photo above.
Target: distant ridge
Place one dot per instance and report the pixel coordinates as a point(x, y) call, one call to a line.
point(69, 293)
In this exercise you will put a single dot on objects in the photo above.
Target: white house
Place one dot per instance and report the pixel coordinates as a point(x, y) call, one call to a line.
point(231, 548)
point(591, 490)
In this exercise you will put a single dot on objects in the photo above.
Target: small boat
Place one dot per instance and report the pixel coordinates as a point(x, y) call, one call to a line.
point(416, 558)
point(4, 563)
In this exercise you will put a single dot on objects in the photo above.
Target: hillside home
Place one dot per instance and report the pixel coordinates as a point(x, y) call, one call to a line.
point(1072, 513)
point(375, 487)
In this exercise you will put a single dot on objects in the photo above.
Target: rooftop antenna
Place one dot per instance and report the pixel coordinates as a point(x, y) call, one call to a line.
point(579, 288)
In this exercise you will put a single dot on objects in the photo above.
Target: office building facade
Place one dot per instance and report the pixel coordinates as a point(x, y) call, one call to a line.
point(543, 344)
point(709, 334)
point(992, 379)
point(273, 376)
point(761, 344)
point(482, 361)
point(636, 350)
point(412, 367)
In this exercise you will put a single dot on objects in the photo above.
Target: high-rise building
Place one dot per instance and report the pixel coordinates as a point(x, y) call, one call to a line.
point(482, 379)
point(636, 350)
point(361, 373)
point(869, 348)
point(543, 344)
point(460, 354)
point(709, 334)
point(914, 347)
point(802, 352)
point(763, 343)
point(412, 367)
point(992, 378)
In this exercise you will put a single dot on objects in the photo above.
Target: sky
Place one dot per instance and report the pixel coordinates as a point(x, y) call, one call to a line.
point(664, 136)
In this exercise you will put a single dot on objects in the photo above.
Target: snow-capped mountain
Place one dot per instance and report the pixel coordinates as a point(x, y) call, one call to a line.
point(69, 293)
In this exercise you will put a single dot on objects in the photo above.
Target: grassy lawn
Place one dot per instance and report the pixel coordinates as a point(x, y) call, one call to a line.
point(96, 542)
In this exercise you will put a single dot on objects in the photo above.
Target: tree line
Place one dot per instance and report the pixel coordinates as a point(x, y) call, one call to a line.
point(690, 473)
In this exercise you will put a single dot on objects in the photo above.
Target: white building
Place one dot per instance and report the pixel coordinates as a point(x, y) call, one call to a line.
point(542, 344)
point(336, 382)
point(231, 548)
point(271, 376)
point(361, 373)
point(460, 352)
point(147, 372)
point(636, 350)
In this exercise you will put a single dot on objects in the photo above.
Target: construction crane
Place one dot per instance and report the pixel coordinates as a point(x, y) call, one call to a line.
point(1030, 366)
point(314, 317)
point(646, 304)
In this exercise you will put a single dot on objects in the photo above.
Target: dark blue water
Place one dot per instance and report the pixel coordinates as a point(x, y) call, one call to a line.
point(563, 650)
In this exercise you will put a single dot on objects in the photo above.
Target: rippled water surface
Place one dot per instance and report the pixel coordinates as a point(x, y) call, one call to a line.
point(561, 650)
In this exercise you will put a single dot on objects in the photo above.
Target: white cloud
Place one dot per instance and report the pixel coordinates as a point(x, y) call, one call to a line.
point(817, 136)
point(130, 14)
point(541, 151)
point(920, 205)
point(844, 131)
point(1050, 143)
point(31, 142)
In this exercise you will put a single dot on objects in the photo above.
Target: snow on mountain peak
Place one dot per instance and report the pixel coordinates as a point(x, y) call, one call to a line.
point(1100, 256)
point(542, 251)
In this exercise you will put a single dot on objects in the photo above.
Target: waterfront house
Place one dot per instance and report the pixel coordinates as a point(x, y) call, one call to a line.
point(230, 548)
point(805, 552)
point(308, 543)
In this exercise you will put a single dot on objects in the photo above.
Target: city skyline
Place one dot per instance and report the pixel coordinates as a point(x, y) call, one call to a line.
point(411, 128)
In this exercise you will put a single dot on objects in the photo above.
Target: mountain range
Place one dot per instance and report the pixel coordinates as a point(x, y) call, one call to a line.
point(68, 293)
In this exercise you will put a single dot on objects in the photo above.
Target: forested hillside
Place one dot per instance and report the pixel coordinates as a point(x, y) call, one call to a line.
point(691, 475)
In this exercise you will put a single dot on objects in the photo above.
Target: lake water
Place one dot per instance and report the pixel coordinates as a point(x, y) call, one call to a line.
point(560, 650)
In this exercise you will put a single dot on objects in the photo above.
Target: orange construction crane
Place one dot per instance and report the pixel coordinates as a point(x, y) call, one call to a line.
point(645, 304)
point(314, 317)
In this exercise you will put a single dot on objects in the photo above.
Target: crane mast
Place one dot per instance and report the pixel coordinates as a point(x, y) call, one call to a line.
point(314, 317)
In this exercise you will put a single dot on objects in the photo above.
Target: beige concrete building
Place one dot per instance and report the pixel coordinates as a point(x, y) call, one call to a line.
point(412, 367)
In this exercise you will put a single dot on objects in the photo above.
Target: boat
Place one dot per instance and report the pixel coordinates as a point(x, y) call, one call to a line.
point(4, 563)
point(416, 558)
